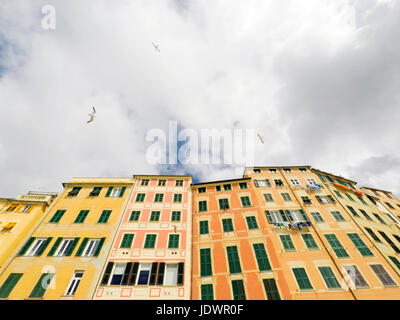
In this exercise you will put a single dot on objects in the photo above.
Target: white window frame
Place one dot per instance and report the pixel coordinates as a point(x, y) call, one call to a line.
point(120, 266)
point(74, 283)
point(89, 251)
point(174, 277)
point(295, 182)
point(26, 208)
point(63, 247)
point(35, 247)
point(143, 267)
point(115, 192)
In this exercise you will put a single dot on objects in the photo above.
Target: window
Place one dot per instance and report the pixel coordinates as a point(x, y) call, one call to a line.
point(95, 192)
point(227, 187)
point(173, 241)
point(278, 182)
point(171, 274)
point(74, 192)
point(363, 201)
point(161, 183)
point(336, 246)
point(39, 245)
point(355, 276)
point(140, 197)
point(27, 208)
point(144, 274)
point(205, 262)
point(325, 199)
point(177, 197)
point(217, 188)
point(203, 227)
point(261, 256)
point(309, 241)
point(9, 284)
point(287, 170)
point(57, 216)
point(257, 170)
point(159, 197)
point(349, 196)
point(238, 290)
point(295, 182)
point(67, 247)
point(134, 216)
point(245, 201)
point(389, 205)
point(144, 182)
point(155, 216)
point(277, 216)
point(271, 289)
point(302, 279)
point(317, 217)
point(389, 241)
point(202, 190)
point(338, 216)
point(338, 194)
point(360, 245)
point(251, 223)
point(396, 237)
point(11, 208)
point(81, 216)
point(287, 243)
point(353, 211)
point(365, 215)
point(207, 292)
point(383, 276)
point(306, 200)
point(74, 283)
point(115, 192)
point(233, 259)
point(329, 278)
point(227, 225)
point(272, 170)
point(105, 215)
point(303, 170)
point(378, 217)
point(262, 183)
point(42, 285)
point(127, 240)
point(268, 197)
point(311, 182)
point(90, 247)
point(223, 204)
point(243, 185)
point(286, 197)
point(179, 183)
point(395, 261)
point(150, 241)
point(203, 206)
point(118, 274)
point(175, 216)
point(373, 235)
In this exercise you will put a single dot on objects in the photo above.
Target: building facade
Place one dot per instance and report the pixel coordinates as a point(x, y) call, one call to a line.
point(151, 255)
point(65, 255)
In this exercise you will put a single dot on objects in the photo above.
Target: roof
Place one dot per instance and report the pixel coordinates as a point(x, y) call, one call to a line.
point(221, 181)
point(334, 175)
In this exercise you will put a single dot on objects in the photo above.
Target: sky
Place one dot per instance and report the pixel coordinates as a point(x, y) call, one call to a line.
point(318, 79)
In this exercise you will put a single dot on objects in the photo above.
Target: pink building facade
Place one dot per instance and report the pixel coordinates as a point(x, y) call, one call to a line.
point(151, 254)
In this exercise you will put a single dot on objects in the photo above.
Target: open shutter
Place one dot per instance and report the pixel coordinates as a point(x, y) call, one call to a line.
point(160, 277)
point(44, 246)
point(282, 213)
point(82, 247)
point(319, 199)
point(122, 192)
point(109, 191)
point(26, 246)
point(107, 273)
point(304, 215)
point(54, 247)
point(268, 214)
point(72, 247)
point(99, 247)
point(132, 278)
point(180, 273)
point(289, 214)
point(153, 273)
point(127, 273)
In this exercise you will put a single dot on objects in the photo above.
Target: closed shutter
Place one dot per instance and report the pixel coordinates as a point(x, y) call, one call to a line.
point(122, 192)
point(9, 284)
point(72, 247)
point(109, 191)
point(82, 247)
point(107, 273)
point(26, 246)
point(54, 247)
point(180, 273)
point(43, 247)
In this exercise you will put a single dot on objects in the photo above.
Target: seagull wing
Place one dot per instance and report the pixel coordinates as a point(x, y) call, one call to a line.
point(94, 110)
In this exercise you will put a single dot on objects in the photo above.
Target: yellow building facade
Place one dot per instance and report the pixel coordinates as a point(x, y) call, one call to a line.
point(65, 255)
point(18, 218)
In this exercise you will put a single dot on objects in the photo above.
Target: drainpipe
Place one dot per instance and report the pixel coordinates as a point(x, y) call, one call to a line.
point(316, 232)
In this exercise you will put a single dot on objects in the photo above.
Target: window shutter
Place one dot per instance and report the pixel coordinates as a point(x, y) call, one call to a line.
point(318, 198)
point(289, 214)
point(72, 247)
point(153, 273)
point(160, 277)
point(54, 247)
point(38, 291)
point(304, 215)
point(99, 247)
point(109, 191)
point(41, 250)
point(127, 273)
point(82, 247)
point(133, 275)
point(268, 214)
point(284, 218)
point(180, 273)
point(26, 246)
point(122, 192)
point(107, 273)
point(9, 284)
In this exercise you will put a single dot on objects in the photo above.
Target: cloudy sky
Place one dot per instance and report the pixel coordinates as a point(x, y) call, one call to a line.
point(319, 79)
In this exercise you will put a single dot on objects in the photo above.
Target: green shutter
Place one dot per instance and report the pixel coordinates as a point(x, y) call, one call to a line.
point(271, 289)
point(207, 292)
point(205, 262)
point(26, 246)
point(289, 214)
point(304, 215)
point(109, 191)
point(173, 242)
point(101, 243)
point(360, 245)
point(329, 277)
point(287, 243)
point(282, 213)
point(57, 216)
point(309, 241)
point(261, 256)
point(268, 214)
point(54, 247)
point(38, 291)
point(181, 269)
point(336, 246)
point(82, 247)
point(302, 279)
point(150, 241)
point(227, 225)
point(126, 242)
point(204, 227)
point(43, 247)
point(72, 247)
point(122, 192)
point(238, 290)
point(233, 260)
point(252, 222)
point(9, 285)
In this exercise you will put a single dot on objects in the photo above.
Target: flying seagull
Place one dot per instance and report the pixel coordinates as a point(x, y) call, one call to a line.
point(92, 115)
point(260, 137)
point(156, 47)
